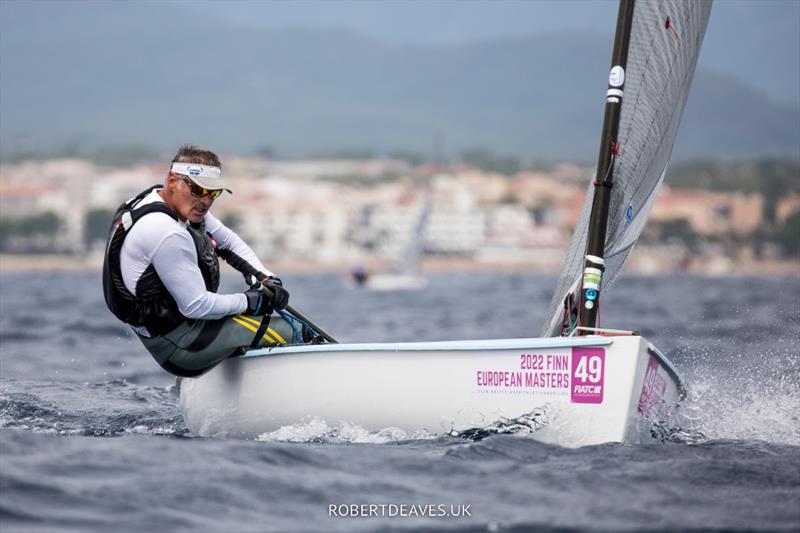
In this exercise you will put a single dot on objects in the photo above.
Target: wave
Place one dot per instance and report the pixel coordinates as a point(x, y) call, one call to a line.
point(318, 431)
point(747, 400)
point(106, 409)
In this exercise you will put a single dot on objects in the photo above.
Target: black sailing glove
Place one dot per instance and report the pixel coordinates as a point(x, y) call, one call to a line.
point(274, 280)
point(280, 296)
point(265, 296)
point(257, 302)
point(252, 276)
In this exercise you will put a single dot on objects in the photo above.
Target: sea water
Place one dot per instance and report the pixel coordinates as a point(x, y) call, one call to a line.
point(92, 439)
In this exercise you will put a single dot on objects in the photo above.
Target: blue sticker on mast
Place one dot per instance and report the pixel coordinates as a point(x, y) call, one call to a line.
point(628, 216)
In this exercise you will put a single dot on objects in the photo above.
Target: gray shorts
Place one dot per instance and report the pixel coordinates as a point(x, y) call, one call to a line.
point(198, 345)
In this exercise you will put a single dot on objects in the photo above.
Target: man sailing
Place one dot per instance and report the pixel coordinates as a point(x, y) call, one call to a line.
point(161, 273)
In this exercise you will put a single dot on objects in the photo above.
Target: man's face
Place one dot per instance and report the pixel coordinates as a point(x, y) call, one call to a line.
point(188, 206)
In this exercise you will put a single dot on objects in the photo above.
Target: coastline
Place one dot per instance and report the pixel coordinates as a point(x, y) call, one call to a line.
point(721, 267)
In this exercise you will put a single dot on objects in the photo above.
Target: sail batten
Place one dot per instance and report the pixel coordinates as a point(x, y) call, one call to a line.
point(664, 45)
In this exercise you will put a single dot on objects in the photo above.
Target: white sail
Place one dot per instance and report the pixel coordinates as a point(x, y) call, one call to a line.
point(666, 36)
point(410, 262)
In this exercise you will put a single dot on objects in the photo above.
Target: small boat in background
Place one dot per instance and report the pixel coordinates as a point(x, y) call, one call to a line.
point(396, 282)
point(407, 276)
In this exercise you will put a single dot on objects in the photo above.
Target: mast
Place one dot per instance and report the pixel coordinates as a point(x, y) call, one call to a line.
point(594, 265)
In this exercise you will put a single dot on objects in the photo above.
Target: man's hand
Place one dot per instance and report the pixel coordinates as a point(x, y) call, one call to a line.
point(274, 280)
point(280, 296)
point(257, 302)
point(265, 296)
point(252, 279)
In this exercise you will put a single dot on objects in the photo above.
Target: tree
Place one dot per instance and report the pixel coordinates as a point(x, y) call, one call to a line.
point(409, 156)
point(773, 178)
point(677, 230)
point(486, 160)
point(777, 178)
point(347, 153)
point(265, 151)
point(36, 233)
point(788, 236)
point(98, 223)
point(124, 155)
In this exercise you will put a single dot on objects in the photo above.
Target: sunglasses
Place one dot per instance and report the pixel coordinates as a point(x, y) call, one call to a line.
point(198, 191)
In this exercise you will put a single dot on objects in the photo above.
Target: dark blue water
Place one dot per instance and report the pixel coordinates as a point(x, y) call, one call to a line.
point(91, 437)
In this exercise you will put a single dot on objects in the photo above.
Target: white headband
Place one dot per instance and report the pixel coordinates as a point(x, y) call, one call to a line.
point(194, 170)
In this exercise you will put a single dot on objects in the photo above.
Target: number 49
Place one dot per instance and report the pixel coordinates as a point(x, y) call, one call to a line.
point(589, 369)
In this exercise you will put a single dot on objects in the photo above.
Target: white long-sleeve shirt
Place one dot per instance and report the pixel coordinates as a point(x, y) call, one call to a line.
point(162, 241)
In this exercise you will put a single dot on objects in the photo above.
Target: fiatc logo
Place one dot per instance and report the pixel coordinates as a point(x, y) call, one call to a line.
point(588, 375)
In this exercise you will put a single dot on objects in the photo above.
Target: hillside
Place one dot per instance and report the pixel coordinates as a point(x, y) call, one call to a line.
point(152, 74)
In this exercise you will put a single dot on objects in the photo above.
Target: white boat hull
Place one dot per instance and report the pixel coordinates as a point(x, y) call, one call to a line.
point(593, 389)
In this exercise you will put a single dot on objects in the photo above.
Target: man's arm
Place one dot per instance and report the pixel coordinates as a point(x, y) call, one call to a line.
point(175, 261)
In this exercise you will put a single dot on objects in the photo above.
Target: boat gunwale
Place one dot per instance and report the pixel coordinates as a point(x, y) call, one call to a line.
point(437, 346)
point(670, 368)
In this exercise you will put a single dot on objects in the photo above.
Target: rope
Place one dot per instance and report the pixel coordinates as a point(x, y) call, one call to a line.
point(292, 321)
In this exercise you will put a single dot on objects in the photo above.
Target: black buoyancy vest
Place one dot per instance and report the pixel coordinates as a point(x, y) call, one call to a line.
point(152, 306)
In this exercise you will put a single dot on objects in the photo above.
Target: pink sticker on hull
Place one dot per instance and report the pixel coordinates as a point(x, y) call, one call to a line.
point(588, 375)
point(653, 389)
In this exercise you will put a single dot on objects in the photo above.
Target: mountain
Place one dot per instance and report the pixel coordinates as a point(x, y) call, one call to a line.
point(160, 74)
point(756, 39)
